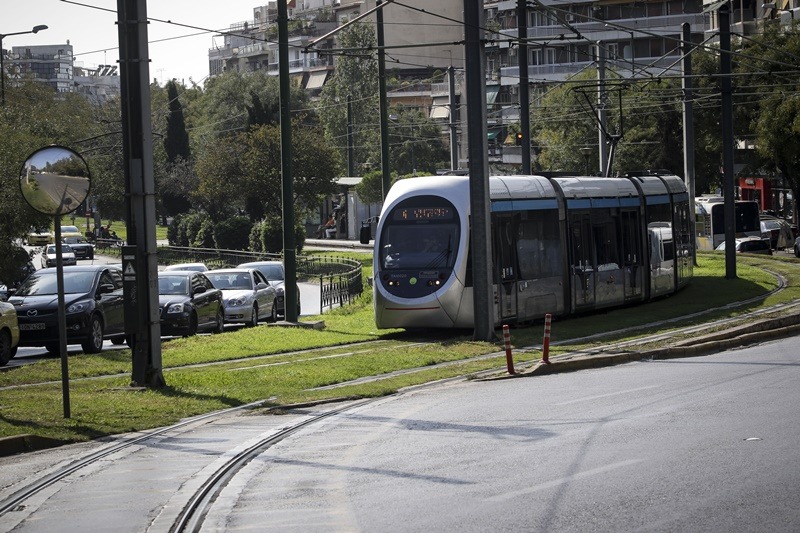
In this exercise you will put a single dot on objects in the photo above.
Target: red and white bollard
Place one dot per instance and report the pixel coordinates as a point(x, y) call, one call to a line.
point(509, 359)
point(546, 340)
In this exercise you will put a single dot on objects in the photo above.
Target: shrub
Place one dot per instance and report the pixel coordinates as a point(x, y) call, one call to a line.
point(175, 236)
point(233, 234)
point(204, 238)
point(267, 236)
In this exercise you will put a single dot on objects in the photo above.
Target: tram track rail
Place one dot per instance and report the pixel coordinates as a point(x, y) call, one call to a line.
point(13, 501)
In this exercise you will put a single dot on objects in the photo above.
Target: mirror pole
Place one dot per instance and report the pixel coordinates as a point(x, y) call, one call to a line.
point(62, 314)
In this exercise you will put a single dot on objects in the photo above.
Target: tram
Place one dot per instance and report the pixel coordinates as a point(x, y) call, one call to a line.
point(561, 245)
point(710, 220)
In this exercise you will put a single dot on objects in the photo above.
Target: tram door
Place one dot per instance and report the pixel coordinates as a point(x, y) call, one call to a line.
point(505, 242)
point(581, 260)
point(632, 254)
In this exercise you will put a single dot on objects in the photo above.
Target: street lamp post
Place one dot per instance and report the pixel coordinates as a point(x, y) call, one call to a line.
point(36, 29)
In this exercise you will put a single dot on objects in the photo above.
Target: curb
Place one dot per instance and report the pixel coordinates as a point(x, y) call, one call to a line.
point(26, 443)
point(764, 330)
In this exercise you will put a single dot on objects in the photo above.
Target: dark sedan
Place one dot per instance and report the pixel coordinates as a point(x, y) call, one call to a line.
point(80, 246)
point(189, 303)
point(93, 304)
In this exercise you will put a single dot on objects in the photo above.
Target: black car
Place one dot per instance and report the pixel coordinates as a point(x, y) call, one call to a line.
point(93, 304)
point(80, 246)
point(189, 303)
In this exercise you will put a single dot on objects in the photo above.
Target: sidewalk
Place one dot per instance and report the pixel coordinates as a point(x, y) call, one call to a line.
point(338, 244)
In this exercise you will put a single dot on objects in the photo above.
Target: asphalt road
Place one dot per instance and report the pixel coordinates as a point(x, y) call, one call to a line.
point(698, 444)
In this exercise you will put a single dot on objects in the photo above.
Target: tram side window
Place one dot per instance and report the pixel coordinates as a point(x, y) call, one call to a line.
point(538, 246)
point(606, 244)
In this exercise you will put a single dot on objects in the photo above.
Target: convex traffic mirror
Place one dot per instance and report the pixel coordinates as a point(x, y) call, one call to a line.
point(54, 180)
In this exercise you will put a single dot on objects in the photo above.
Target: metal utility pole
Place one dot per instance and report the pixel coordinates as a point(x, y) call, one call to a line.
point(524, 97)
point(601, 108)
point(384, 105)
point(140, 265)
point(287, 174)
point(481, 238)
point(351, 158)
point(727, 139)
point(688, 123)
point(453, 119)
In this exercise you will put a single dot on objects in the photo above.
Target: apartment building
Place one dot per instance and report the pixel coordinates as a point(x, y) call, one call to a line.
point(49, 63)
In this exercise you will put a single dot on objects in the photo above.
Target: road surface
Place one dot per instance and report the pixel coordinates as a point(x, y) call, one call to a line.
point(700, 444)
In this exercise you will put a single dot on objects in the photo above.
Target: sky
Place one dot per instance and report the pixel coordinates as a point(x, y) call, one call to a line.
point(90, 27)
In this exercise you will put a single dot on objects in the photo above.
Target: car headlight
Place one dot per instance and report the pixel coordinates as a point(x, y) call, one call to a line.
point(175, 308)
point(80, 307)
point(279, 290)
point(239, 301)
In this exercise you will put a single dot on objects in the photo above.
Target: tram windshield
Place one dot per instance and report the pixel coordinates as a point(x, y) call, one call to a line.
point(420, 233)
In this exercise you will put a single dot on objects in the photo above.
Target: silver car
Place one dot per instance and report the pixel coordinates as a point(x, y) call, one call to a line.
point(49, 256)
point(247, 296)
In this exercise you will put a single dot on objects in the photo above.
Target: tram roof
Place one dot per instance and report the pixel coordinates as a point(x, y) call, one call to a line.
point(596, 187)
point(511, 187)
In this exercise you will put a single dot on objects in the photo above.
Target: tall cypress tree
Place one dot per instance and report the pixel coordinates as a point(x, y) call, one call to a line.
point(176, 141)
point(176, 145)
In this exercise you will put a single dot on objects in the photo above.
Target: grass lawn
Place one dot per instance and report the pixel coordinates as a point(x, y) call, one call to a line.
point(287, 365)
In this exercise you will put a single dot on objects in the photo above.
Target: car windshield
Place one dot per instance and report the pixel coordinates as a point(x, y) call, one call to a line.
point(44, 283)
point(271, 272)
point(65, 249)
point(173, 285)
point(231, 280)
point(73, 240)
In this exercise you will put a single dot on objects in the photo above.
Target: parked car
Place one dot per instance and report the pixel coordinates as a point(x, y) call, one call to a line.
point(70, 231)
point(189, 303)
point(49, 256)
point(9, 333)
point(93, 303)
point(777, 231)
point(195, 267)
point(247, 296)
point(82, 248)
point(750, 245)
point(38, 238)
point(273, 271)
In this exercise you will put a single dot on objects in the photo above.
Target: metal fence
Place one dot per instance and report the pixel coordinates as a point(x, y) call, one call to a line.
point(340, 279)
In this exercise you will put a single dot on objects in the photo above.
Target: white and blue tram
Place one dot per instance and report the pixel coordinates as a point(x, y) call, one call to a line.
point(561, 245)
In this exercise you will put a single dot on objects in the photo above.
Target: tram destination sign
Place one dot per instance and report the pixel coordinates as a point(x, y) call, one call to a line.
point(412, 214)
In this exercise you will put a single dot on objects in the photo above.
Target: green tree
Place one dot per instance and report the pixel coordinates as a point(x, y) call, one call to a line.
point(356, 76)
point(173, 194)
point(33, 116)
point(415, 143)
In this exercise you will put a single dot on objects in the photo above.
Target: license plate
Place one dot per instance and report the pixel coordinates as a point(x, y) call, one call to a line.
point(28, 327)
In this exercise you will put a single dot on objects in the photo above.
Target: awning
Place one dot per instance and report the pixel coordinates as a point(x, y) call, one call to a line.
point(440, 108)
point(707, 8)
point(491, 94)
point(316, 79)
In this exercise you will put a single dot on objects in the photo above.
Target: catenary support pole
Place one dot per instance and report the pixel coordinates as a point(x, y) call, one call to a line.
point(729, 207)
point(480, 236)
point(453, 118)
point(287, 173)
point(524, 89)
point(688, 123)
point(145, 326)
point(386, 175)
